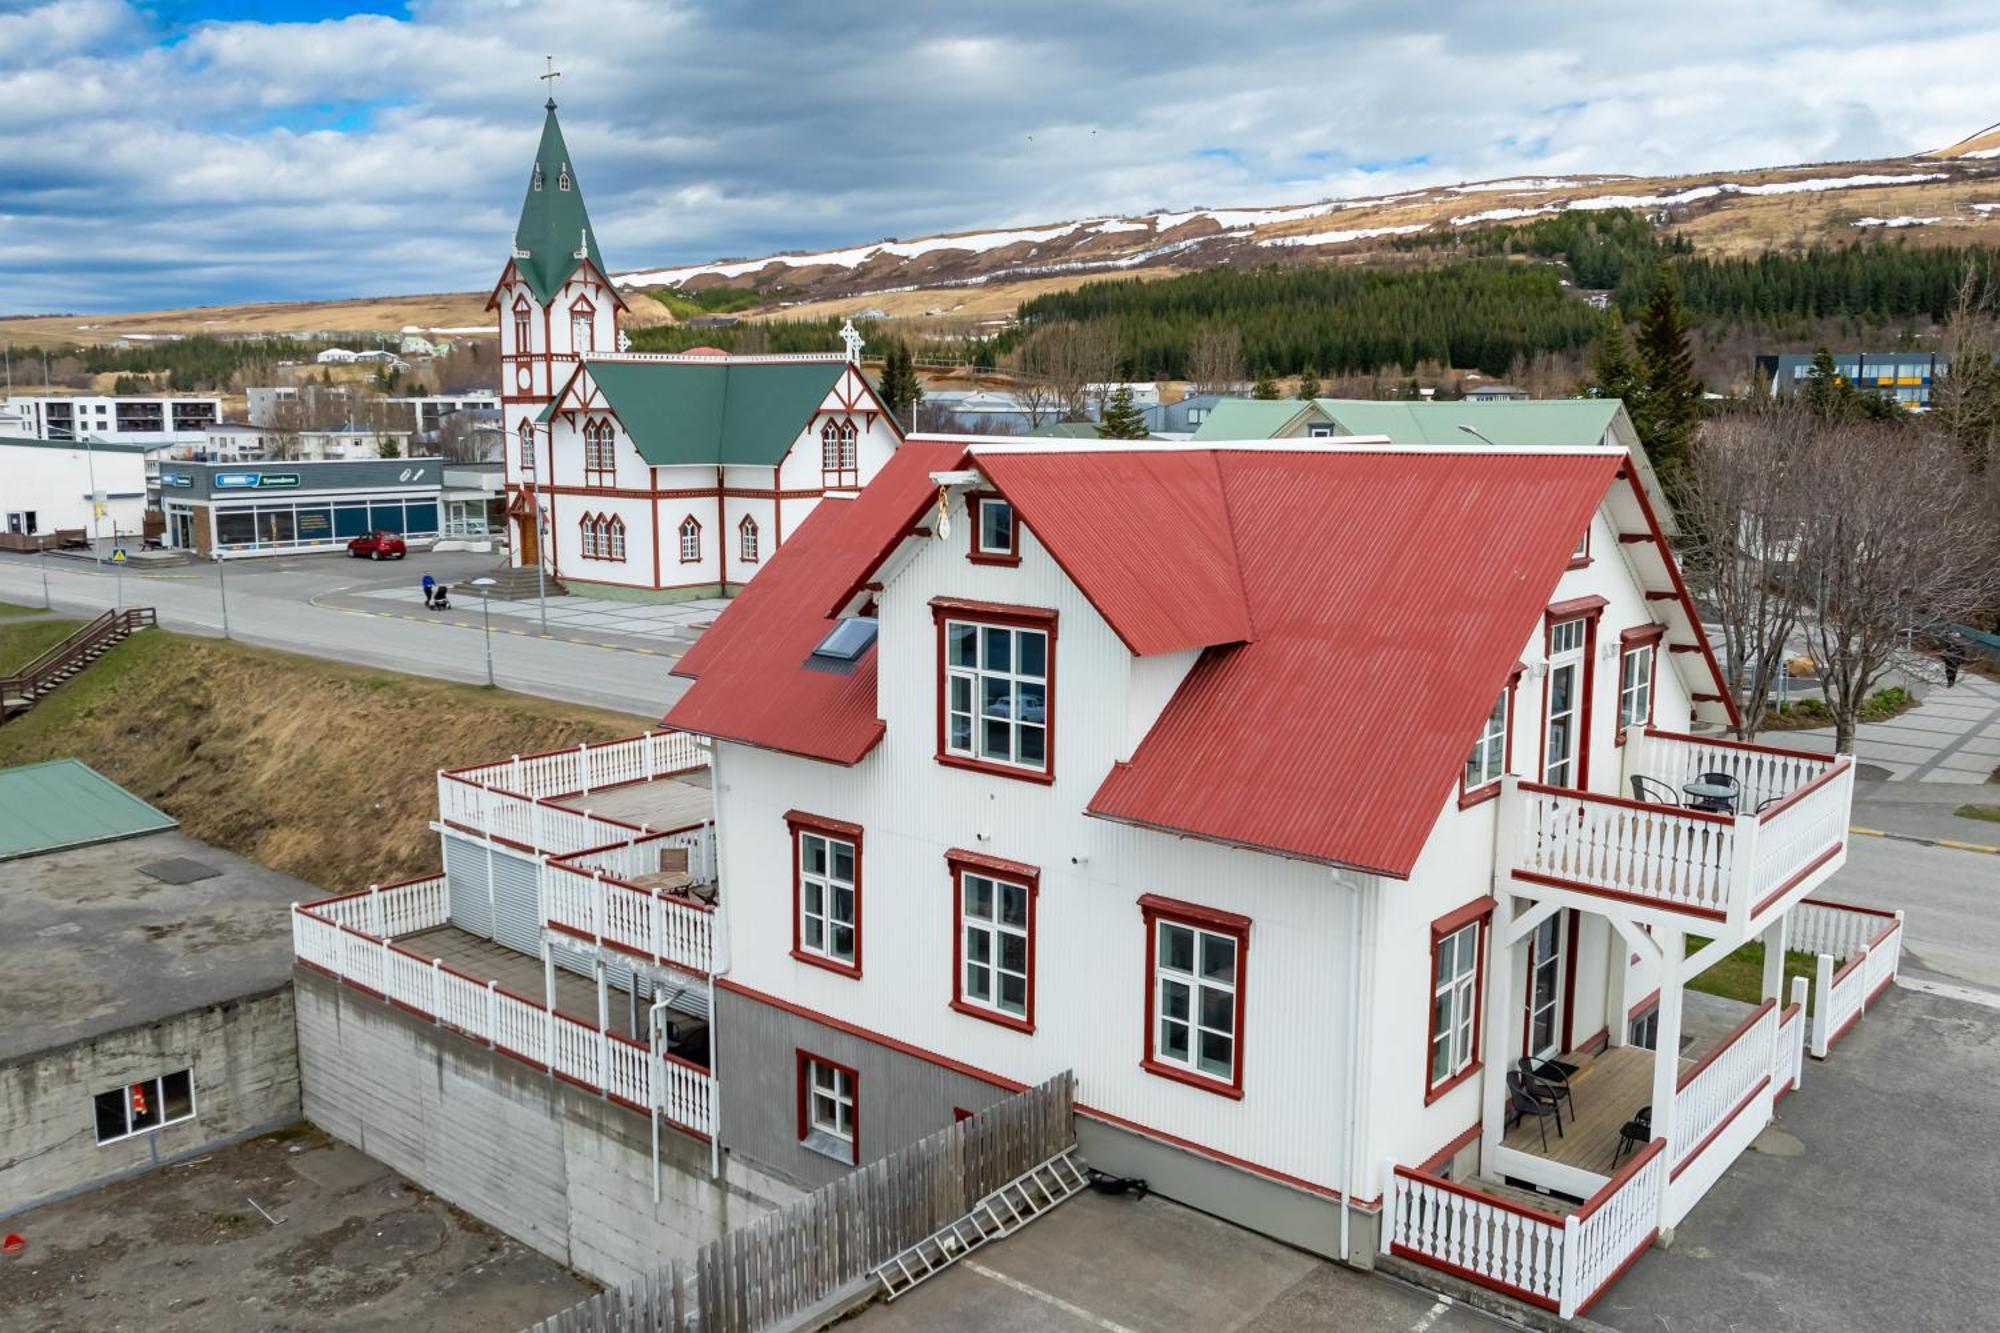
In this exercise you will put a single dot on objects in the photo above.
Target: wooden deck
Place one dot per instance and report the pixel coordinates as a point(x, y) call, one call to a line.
point(664, 803)
point(479, 957)
point(1609, 1090)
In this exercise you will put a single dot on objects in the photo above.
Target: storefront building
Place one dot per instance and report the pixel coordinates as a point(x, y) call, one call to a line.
point(229, 510)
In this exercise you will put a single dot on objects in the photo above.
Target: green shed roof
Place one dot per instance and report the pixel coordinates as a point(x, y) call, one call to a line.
point(1249, 418)
point(66, 803)
point(1578, 421)
point(1066, 430)
point(681, 412)
point(553, 219)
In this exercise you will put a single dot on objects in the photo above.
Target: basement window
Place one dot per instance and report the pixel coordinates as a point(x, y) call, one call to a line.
point(138, 1108)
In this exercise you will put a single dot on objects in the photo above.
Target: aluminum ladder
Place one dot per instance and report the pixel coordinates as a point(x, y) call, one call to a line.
point(995, 1217)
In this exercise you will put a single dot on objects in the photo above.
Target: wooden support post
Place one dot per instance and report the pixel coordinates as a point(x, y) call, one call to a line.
point(549, 995)
point(599, 971)
point(646, 755)
point(1776, 936)
point(583, 766)
point(492, 1013)
point(1822, 1029)
point(1667, 1042)
point(1387, 1221)
point(1501, 999)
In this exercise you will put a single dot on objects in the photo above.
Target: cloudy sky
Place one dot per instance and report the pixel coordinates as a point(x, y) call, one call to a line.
point(210, 151)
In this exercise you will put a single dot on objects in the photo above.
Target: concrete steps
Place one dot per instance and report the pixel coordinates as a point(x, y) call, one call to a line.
point(518, 585)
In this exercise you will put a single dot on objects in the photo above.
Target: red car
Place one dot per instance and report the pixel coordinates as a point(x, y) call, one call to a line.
point(378, 546)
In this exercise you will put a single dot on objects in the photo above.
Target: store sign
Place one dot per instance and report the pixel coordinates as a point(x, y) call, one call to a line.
point(246, 481)
point(314, 524)
point(181, 479)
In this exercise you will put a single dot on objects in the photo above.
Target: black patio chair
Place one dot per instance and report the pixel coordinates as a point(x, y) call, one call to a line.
point(1722, 805)
point(1653, 791)
point(1633, 1135)
point(1552, 1076)
point(1766, 804)
point(1522, 1103)
point(1537, 1091)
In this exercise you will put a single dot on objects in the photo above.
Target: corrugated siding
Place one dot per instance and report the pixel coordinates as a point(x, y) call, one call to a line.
point(517, 903)
point(1090, 963)
point(465, 882)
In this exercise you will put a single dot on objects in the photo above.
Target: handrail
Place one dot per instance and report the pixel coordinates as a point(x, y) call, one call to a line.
point(1689, 1074)
point(1504, 1205)
point(1840, 765)
point(1847, 907)
point(1626, 803)
point(1617, 1182)
point(1727, 744)
point(60, 649)
point(80, 641)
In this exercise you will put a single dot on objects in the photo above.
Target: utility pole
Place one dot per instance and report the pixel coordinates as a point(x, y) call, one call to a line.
point(96, 505)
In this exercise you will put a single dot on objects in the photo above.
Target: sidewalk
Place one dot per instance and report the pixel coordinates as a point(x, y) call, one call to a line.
point(663, 629)
point(1952, 736)
point(1924, 810)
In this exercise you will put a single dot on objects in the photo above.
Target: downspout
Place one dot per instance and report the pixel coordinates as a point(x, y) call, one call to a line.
point(718, 961)
point(1351, 1056)
point(653, 1075)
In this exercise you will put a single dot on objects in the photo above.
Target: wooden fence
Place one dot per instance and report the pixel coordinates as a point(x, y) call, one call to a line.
point(794, 1258)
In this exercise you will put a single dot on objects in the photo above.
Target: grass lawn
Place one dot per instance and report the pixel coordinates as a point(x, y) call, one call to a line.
point(1740, 976)
point(10, 609)
point(1990, 813)
point(23, 643)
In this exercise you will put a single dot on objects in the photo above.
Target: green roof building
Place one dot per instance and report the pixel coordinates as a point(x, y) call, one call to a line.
point(553, 237)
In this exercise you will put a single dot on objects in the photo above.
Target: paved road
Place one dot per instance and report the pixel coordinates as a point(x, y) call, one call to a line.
point(269, 605)
point(1951, 905)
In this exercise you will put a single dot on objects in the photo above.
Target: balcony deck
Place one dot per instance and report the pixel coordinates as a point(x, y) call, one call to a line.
point(663, 803)
point(480, 957)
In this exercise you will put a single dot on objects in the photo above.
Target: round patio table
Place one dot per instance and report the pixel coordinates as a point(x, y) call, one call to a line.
point(1712, 796)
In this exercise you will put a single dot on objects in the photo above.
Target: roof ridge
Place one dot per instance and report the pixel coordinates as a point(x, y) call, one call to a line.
point(1235, 544)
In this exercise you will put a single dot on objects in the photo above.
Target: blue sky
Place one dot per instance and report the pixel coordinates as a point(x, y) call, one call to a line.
point(209, 152)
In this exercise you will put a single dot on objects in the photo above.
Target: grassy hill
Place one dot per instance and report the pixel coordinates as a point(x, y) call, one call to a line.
point(324, 771)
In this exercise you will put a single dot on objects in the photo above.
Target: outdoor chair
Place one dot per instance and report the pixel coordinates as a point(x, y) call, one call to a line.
point(1633, 1135)
point(1722, 805)
point(1550, 1076)
point(1766, 804)
point(1535, 1091)
point(1520, 1103)
point(1653, 791)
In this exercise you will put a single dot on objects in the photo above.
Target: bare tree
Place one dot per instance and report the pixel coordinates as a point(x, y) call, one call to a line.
point(1898, 538)
point(467, 437)
point(1965, 398)
point(1040, 399)
point(1743, 508)
point(1070, 358)
point(1215, 362)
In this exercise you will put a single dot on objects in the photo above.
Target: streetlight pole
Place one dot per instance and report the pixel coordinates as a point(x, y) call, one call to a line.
point(222, 585)
point(96, 505)
point(47, 605)
point(486, 623)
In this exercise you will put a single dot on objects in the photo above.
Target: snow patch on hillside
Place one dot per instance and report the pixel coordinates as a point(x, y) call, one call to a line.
point(1336, 237)
point(1904, 221)
point(1504, 214)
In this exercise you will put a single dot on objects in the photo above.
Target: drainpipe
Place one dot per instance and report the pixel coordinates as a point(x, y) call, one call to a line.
point(653, 1075)
point(718, 959)
point(1350, 1127)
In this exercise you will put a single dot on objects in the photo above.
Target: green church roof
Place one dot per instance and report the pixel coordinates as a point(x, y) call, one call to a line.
point(1249, 418)
point(554, 225)
point(685, 412)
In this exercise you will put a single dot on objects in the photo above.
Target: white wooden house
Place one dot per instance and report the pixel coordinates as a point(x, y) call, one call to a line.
point(669, 476)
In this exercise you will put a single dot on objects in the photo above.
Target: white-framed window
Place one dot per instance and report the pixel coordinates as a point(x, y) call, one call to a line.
point(523, 326)
point(828, 1122)
point(746, 540)
point(562, 177)
point(1566, 637)
point(527, 439)
point(1581, 552)
point(139, 1107)
point(1454, 1001)
point(996, 690)
point(588, 525)
point(1635, 686)
point(993, 533)
point(829, 896)
point(598, 452)
point(994, 955)
point(1320, 430)
point(1195, 993)
point(612, 539)
point(1489, 753)
point(839, 453)
point(582, 327)
point(690, 540)
point(1563, 735)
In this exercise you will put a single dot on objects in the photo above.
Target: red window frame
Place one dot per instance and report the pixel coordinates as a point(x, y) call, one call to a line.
point(1486, 791)
point(1013, 617)
point(597, 434)
point(581, 308)
point(803, 1078)
point(1154, 909)
point(1589, 610)
point(1480, 910)
point(978, 554)
point(1582, 560)
point(749, 541)
point(524, 327)
point(680, 540)
point(1629, 642)
point(799, 822)
point(846, 473)
point(1013, 872)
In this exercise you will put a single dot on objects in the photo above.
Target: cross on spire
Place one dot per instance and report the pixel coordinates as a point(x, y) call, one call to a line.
point(550, 79)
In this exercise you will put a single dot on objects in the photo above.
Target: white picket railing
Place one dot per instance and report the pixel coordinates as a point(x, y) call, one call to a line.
point(1842, 995)
point(484, 1011)
point(1788, 1057)
point(1610, 1230)
point(1678, 858)
point(589, 768)
point(1801, 832)
point(1560, 1263)
point(1764, 772)
point(1490, 1241)
point(391, 909)
point(1711, 1092)
point(649, 922)
point(1819, 926)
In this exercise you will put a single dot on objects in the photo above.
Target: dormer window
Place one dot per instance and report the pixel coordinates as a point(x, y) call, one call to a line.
point(996, 539)
point(538, 178)
point(562, 178)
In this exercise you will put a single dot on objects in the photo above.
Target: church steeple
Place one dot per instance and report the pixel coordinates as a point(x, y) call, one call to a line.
point(553, 237)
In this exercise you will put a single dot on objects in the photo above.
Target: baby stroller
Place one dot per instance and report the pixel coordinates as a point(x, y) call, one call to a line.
point(441, 599)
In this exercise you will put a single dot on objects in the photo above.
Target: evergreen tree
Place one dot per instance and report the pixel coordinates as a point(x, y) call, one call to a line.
point(386, 447)
point(1666, 406)
point(1613, 374)
point(1122, 420)
point(1267, 384)
point(900, 388)
point(1308, 383)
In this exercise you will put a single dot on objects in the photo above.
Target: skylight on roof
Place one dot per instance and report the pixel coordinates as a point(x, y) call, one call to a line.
point(847, 641)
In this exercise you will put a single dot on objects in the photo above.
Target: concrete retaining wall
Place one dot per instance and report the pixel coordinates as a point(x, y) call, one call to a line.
point(246, 1081)
point(557, 1168)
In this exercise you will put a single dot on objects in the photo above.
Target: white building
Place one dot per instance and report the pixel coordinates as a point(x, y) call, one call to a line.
point(428, 411)
point(265, 403)
point(230, 442)
point(353, 440)
point(153, 420)
point(47, 486)
point(655, 476)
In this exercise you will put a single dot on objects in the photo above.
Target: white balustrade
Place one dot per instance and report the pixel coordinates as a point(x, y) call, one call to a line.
point(1834, 928)
point(627, 1072)
point(687, 1094)
point(1489, 1240)
point(1762, 771)
point(1788, 1058)
point(1619, 1221)
point(1799, 835)
point(1678, 858)
point(589, 768)
point(1713, 1090)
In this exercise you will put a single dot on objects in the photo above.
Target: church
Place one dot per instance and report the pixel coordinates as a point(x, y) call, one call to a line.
point(650, 476)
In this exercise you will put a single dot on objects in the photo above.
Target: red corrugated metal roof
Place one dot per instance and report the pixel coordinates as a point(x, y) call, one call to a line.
point(751, 684)
point(1145, 536)
point(1391, 594)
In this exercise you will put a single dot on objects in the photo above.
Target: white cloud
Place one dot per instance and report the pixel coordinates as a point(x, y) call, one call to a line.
point(365, 155)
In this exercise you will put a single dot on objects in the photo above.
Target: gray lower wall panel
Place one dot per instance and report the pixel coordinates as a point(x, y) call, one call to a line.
point(559, 1169)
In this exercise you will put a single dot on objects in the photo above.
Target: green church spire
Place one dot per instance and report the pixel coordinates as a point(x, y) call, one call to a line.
point(554, 235)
